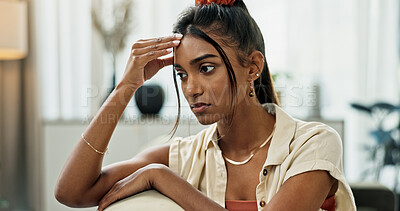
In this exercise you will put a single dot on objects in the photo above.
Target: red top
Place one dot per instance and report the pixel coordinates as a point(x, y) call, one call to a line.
point(329, 204)
point(241, 205)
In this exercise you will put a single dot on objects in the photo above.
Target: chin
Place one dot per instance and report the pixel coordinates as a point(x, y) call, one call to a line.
point(206, 119)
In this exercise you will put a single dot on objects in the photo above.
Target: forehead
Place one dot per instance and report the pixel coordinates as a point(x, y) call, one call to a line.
point(192, 47)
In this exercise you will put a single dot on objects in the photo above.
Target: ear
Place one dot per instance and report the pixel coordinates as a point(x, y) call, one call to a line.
point(256, 65)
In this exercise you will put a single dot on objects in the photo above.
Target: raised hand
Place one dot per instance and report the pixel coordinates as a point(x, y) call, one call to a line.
point(144, 61)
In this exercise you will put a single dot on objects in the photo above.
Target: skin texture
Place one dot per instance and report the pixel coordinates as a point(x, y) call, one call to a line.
point(84, 183)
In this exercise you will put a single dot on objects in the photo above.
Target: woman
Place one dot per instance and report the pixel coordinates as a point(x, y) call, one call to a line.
point(253, 154)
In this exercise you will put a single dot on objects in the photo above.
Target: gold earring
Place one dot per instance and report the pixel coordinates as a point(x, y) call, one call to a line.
point(251, 93)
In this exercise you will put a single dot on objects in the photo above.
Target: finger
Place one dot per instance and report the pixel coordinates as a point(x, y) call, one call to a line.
point(105, 202)
point(142, 60)
point(165, 62)
point(160, 46)
point(114, 189)
point(168, 61)
point(154, 41)
point(103, 205)
point(114, 196)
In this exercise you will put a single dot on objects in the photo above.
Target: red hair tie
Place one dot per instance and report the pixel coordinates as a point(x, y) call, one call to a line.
point(221, 2)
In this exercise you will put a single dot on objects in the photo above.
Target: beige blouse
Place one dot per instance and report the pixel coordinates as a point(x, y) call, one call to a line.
point(295, 148)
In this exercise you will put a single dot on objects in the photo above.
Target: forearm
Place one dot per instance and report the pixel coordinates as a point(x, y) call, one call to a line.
point(183, 193)
point(81, 182)
point(83, 166)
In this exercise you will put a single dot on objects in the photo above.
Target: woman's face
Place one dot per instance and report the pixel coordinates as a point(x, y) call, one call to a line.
point(205, 80)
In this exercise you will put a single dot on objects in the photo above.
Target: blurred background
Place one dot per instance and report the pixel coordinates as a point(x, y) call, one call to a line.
point(332, 61)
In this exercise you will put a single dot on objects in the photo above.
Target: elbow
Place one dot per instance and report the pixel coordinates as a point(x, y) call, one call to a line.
point(65, 198)
point(69, 199)
point(62, 198)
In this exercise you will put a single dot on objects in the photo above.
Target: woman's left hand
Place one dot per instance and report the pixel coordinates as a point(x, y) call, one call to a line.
point(137, 182)
point(164, 180)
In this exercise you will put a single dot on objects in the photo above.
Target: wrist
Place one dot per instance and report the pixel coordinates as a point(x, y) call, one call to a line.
point(121, 95)
point(155, 173)
point(126, 86)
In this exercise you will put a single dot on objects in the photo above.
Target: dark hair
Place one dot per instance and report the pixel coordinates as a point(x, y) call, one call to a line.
point(236, 28)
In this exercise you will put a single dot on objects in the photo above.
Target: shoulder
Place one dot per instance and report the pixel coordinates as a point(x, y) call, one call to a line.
point(314, 128)
point(317, 136)
point(292, 134)
point(315, 146)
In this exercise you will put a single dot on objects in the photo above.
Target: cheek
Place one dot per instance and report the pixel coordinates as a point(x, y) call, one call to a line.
point(183, 89)
point(219, 92)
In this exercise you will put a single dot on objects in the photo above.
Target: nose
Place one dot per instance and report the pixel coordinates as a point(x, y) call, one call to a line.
point(193, 87)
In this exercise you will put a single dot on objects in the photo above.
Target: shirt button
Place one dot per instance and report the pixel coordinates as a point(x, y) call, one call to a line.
point(265, 172)
point(262, 203)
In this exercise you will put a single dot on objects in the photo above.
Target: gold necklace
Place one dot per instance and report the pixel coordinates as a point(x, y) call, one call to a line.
point(237, 163)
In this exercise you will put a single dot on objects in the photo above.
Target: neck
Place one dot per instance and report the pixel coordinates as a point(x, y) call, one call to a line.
point(251, 126)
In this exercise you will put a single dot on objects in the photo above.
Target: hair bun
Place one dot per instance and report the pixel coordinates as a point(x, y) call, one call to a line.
point(221, 2)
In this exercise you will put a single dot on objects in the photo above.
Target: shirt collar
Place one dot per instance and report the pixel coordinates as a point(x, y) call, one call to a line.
point(285, 127)
point(211, 137)
point(284, 131)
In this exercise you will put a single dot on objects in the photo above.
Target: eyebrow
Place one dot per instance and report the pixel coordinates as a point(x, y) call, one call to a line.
point(198, 59)
point(205, 56)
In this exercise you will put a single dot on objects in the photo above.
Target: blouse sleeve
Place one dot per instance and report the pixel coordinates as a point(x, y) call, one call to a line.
point(322, 150)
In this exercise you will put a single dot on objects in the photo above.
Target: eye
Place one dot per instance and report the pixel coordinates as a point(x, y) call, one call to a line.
point(181, 75)
point(206, 68)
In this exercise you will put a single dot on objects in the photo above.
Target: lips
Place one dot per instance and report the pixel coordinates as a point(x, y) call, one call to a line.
point(199, 107)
